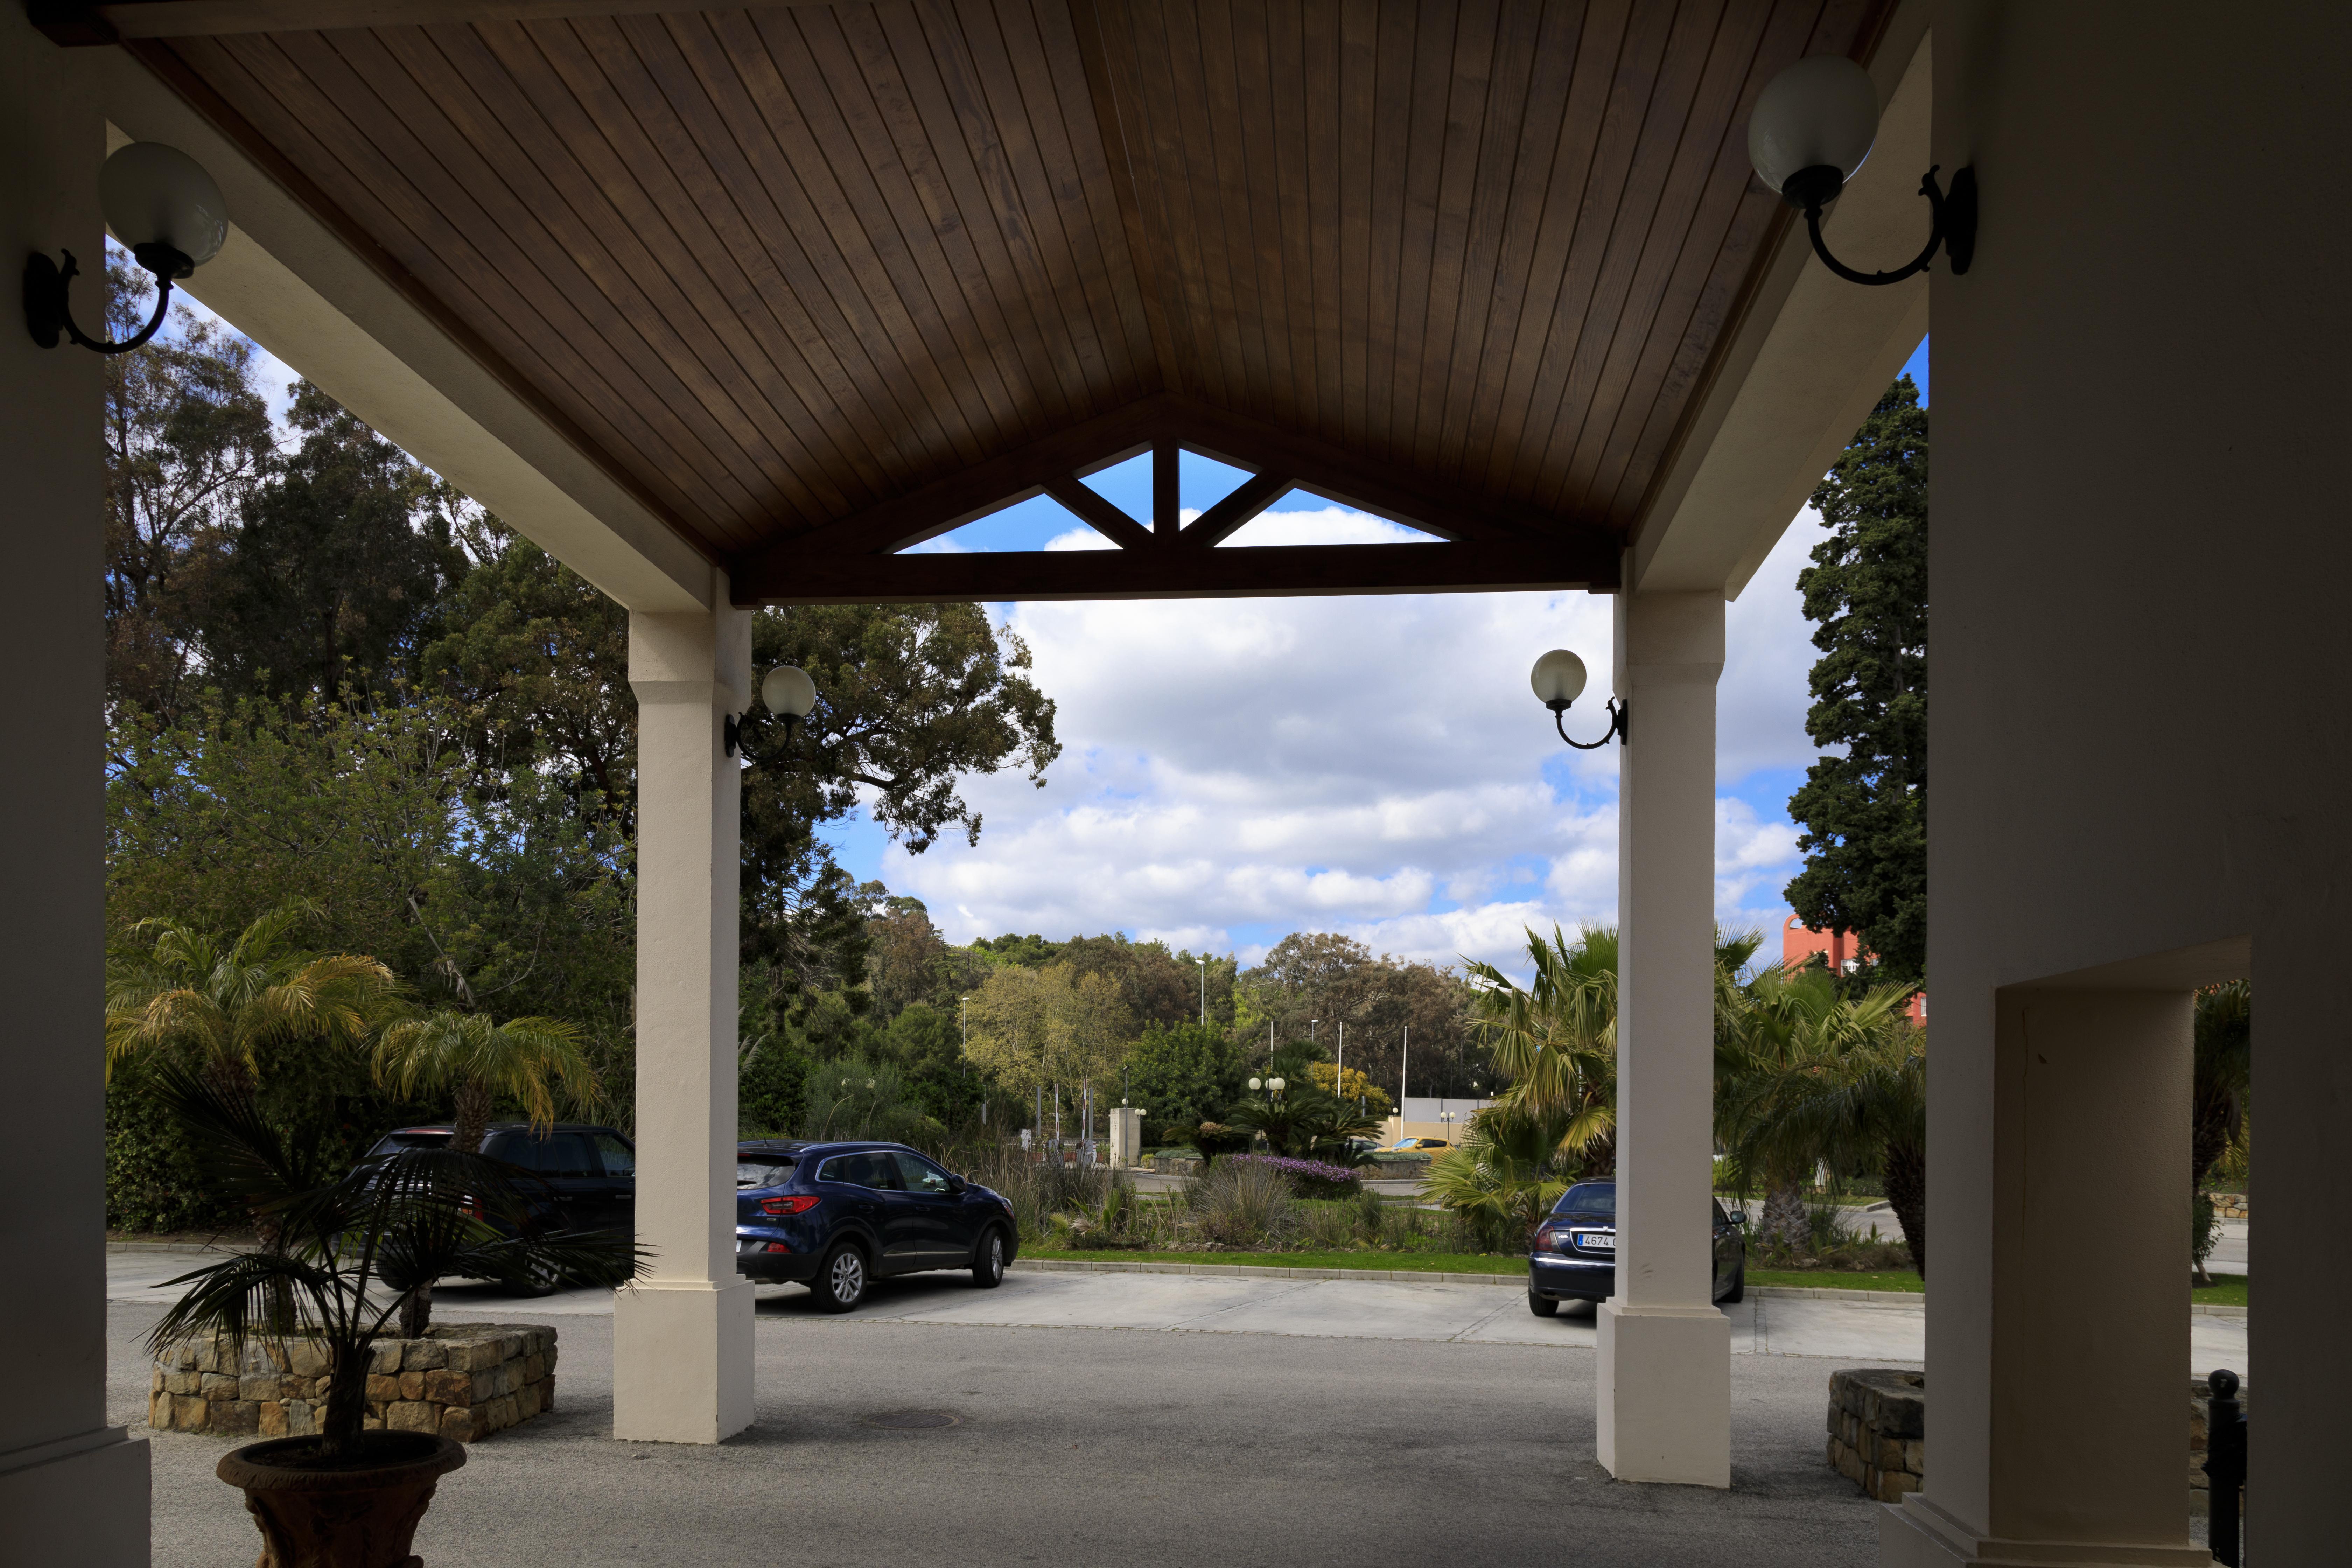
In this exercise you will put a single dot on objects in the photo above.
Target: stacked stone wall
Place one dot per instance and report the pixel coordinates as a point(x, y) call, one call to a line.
point(1878, 1431)
point(464, 1381)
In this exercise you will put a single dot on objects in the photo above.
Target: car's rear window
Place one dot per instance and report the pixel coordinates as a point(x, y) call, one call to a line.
point(762, 1172)
point(393, 1143)
point(1589, 1197)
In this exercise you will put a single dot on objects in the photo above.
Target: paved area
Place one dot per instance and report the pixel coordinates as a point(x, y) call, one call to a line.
point(1888, 1330)
point(1245, 1449)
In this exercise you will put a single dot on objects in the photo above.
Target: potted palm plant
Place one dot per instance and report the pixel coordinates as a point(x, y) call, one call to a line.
point(342, 1255)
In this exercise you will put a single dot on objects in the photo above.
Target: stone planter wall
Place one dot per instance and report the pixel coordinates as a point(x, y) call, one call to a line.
point(2232, 1205)
point(1878, 1431)
point(463, 1381)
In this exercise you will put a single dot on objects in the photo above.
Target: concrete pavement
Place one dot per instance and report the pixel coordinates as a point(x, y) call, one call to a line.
point(1882, 1328)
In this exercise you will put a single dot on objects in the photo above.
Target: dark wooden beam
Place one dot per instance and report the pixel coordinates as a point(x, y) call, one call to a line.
point(82, 22)
point(1236, 572)
point(1167, 489)
point(1222, 520)
point(1420, 501)
point(1098, 512)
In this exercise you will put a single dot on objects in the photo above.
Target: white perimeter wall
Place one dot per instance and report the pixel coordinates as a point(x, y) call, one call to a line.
point(2142, 652)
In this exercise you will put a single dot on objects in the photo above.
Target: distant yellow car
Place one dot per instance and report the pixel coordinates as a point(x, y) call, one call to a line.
point(1417, 1146)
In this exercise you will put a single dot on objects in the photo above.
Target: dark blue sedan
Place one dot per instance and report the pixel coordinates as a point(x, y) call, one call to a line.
point(836, 1216)
point(1575, 1256)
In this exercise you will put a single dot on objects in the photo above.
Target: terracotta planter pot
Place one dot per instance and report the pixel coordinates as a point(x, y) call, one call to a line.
point(360, 1513)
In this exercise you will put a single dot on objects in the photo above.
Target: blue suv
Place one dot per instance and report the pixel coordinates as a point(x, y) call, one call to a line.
point(836, 1216)
point(1575, 1256)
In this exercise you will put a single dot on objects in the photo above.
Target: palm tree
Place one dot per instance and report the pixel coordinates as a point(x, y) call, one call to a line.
point(477, 1060)
point(1503, 1176)
point(413, 1215)
point(229, 1002)
point(1797, 1067)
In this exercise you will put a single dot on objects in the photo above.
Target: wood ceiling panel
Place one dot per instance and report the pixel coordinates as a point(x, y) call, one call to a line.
point(783, 267)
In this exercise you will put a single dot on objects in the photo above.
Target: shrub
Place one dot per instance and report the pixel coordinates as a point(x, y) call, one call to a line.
point(1242, 1203)
point(1214, 1139)
point(1308, 1178)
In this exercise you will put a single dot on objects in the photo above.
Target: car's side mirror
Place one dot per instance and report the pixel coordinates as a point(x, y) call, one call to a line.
point(1740, 1218)
point(955, 1185)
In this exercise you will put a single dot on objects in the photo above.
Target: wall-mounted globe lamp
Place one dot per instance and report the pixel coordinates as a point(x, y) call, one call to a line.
point(160, 203)
point(1558, 681)
point(1812, 126)
point(790, 695)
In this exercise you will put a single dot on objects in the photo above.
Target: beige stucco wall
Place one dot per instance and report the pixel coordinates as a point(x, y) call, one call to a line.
point(2141, 664)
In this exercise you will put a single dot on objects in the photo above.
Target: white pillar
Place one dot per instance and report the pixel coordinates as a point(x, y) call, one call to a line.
point(2088, 1098)
point(1126, 1135)
point(72, 1489)
point(682, 1339)
point(1666, 1349)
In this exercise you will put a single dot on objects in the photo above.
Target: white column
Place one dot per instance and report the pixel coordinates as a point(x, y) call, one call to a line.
point(2088, 1098)
point(682, 1339)
point(1666, 1349)
point(72, 1490)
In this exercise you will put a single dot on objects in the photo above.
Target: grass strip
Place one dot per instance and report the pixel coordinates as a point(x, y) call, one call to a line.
point(1897, 1279)
point(1415, 1262)
point(2227, 1291)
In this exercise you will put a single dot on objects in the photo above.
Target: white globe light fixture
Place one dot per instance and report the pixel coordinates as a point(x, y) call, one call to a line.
point(790, 695)
point(1558, 681)
point(1275, 1084)
point(1255, 1085)
point(160, 203)
point(1811, 130)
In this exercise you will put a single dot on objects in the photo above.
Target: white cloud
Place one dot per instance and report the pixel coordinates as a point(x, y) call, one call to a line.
point(1237, 769)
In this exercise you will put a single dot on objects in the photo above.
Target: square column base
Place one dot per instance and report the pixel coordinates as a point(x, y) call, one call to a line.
point(1665, 1393)
point(682, 1361)
point(1916, 1533)
point(83, 1499)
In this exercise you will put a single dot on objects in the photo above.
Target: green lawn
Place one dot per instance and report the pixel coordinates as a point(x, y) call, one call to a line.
point(1418, 1262)
point(2227, 1291)
point(1840, 1278)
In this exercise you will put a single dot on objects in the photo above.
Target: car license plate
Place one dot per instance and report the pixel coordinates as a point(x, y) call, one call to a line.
point(1596, 1240)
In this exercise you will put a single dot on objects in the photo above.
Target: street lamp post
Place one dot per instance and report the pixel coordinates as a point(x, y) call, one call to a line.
point(1204, 990)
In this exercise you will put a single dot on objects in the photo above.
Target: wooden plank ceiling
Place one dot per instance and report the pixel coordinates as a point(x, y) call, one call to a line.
point(819, 282)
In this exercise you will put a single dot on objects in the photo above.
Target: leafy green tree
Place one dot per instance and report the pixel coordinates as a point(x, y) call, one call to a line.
point(478, 1062)
point(1183, 1075)
point(771, 1088)
point(1310, 984)
point(187, 439)
point(1864, 812)
point(340, 572)
point(2221, 1077)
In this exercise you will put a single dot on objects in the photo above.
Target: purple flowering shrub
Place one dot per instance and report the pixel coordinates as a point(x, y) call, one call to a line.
point(1308, 1178)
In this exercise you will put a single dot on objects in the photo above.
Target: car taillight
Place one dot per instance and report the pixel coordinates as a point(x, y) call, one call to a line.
point(799, 1205)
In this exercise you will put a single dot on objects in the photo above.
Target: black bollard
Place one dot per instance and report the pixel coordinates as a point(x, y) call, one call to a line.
point(2225, 1463)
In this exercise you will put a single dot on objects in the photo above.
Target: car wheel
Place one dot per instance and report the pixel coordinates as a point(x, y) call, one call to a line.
point(1739, 1292)
point(987, 1260)
point(840, 1278)
point(1542, 1306)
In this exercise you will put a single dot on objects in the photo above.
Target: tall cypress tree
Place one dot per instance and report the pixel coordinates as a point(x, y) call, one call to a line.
point(1865, 813)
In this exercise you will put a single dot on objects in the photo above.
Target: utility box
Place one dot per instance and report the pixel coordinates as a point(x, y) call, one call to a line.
point(1126, 1136)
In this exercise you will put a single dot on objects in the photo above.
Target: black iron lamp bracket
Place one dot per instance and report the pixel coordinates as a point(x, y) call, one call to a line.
point(733, 730)
point(1620, 725)
point(49, 314)
point(1952, 220)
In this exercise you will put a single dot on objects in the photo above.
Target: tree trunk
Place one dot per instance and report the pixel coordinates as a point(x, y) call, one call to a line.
point(346, 1403)
point(416, 1311)
point(1906, 1194)
point(473, 1117)
point(1785, 1221)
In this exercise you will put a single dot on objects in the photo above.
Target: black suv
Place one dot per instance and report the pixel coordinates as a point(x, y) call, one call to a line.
point(1575, 1256)
point(587, 1175)
point(835, 1216)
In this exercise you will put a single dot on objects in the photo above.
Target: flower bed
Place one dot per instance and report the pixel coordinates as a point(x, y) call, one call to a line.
point(1308, 1178)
